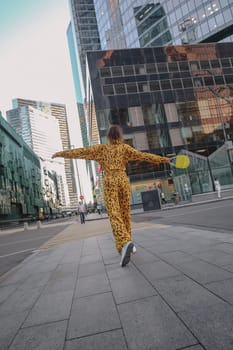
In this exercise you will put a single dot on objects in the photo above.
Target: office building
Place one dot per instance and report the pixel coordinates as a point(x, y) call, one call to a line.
point(143, 23)
point(168, 100)
point(82, 35)
point(20, 177)
point(78, 81)
point(58, 111)
point(36, 128)
point(85, 31)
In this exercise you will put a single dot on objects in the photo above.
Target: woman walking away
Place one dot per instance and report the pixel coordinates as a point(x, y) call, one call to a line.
point(113, 157)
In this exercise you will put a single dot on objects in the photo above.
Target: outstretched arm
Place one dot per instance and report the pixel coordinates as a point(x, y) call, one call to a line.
point(133, 154)
point(91, 152)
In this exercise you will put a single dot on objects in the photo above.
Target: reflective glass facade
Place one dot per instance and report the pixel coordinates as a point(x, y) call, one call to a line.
point(85, 30)
point(145, 23)
point(167, 99)
point(20, 176)
point(59, 112)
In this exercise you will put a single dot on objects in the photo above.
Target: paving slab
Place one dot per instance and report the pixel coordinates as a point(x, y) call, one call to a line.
point(175, 294)
point(19, 301)
point(182, 293)
point(93, 314)
point(204, 272)
point(223, 289)
point(143, 256)
point(128, 284)
point(215, 257)
point(90, 285)
point(6, 291)
point(50, 337)
point(62, 279)
point(10, 327)
point(112, 340)
point(177, 257)
point(158, 270)
point(212, 325)
point(50, 308)
point(150, 324)
point(228, 268)
point(93, 268)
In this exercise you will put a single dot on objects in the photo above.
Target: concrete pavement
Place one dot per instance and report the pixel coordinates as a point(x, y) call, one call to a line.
point(175, 294)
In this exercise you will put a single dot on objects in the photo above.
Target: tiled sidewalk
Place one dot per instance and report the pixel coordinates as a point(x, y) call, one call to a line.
point(176, 293)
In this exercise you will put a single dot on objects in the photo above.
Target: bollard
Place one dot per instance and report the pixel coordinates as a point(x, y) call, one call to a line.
point(25, 226)
point(38, 224)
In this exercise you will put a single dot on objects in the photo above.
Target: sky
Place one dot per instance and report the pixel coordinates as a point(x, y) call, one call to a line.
point(34, 55)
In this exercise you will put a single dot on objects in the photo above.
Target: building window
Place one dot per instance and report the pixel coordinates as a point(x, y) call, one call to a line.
point(197, 82)
point(227, 71)
point(162, 67)
point(116, 71)
point(176, 84)
point(108, 90)
point(225, 62)
point(208, 81)
point(128, 70)
point(229, 79)
point(131, 87)
point(165, 85)
point(194, 65)
point(105, 72)
point(151, 68)
point(184, 66)
point(173, 67)
point(187, 83)
point(219, 80)
point(215, 63)
point(205, 64)
point(143, 87)
point(154, 85)
point(140, 69)
point(120, 88)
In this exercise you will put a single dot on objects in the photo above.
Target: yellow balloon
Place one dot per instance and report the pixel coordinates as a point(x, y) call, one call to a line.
point(182, 162)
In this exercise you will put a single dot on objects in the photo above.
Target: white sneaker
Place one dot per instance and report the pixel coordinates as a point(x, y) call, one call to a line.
point(134, 249)
point(126, 253)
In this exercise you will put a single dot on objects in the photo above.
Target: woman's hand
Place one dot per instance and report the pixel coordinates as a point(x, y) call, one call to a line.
point(54, 155)
point(167, 160)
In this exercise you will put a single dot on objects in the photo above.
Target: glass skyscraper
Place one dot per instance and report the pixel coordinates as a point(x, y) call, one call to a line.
point(154, 88)
point(169, 100)
point(85, 31)
point(20, 176)
point(35, 128)
point(140, 23)
point(59, 112)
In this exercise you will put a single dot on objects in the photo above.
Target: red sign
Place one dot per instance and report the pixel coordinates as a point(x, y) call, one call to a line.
point(81, 197)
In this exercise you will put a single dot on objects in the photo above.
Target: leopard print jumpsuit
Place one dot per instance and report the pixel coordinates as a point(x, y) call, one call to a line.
point(113, 158)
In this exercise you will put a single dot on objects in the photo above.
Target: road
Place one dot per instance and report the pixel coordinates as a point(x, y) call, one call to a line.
point(215, 216)
point(15, 247)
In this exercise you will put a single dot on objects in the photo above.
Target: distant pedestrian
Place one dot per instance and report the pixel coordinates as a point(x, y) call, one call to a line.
point(82, 211)
point(99, 209)
point(217, 187)
point(163, 200)
point(113, 157)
